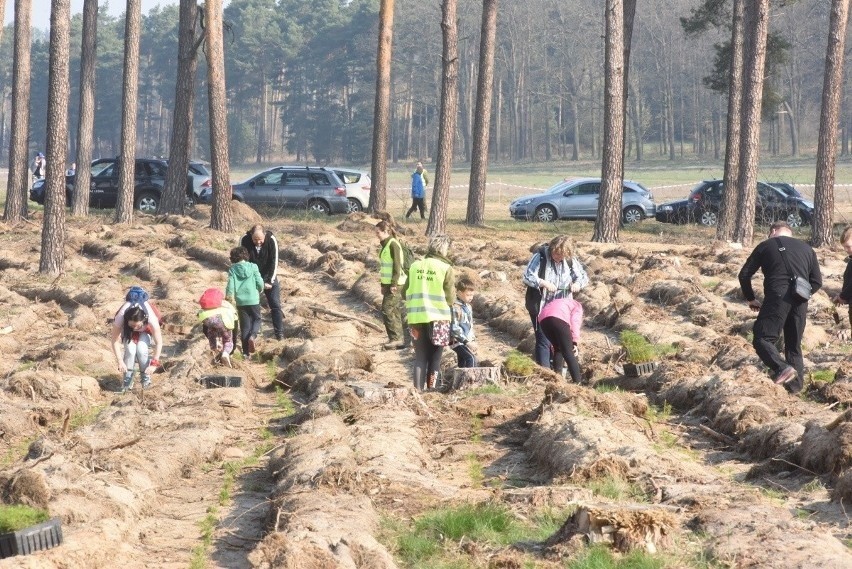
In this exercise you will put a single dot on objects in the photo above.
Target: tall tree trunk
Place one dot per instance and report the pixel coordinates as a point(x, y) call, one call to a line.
point(612, 169)
point(220, 218)
point(19, 172)
point(174, 191)
point(832, 87)
point(794, 126)
point(755, 28)
point(381, 108)
point(52, 259)
point(727, 221)
point(261, 117)
point(85, 128)
point(130, 94)
point(482, 115)
point(629, 17)
point(447, 125)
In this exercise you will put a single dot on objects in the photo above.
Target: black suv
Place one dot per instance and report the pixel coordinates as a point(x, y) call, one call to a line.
point(290, 187)
point(149, 177)
point(704, 201)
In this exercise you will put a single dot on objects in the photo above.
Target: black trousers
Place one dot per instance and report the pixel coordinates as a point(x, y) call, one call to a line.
point(779, 314)
point(417, 203)
point(558, 332)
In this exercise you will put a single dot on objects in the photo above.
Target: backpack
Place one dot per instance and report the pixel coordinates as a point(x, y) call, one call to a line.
point(407, 255)
point(137, 295)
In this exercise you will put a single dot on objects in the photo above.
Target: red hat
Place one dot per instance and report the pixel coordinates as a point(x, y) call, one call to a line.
point(212, 298)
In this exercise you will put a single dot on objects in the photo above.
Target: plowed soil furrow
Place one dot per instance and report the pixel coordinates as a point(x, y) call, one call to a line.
point(703, 460)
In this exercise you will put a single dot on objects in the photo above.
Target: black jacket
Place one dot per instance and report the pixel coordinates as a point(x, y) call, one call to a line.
point(266, 259)
point(776, 279)
point(846, 291)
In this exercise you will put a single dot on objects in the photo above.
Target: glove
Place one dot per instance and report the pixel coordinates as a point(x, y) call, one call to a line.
point(575, 287)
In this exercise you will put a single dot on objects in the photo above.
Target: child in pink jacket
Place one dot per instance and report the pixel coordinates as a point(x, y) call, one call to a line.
point(560, 321)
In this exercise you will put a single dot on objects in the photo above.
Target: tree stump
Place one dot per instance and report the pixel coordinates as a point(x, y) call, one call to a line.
point(623, 527)
point(465, 378)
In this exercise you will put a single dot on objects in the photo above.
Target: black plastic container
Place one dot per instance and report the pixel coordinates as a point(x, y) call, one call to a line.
point(45, 535)
point(214, 381)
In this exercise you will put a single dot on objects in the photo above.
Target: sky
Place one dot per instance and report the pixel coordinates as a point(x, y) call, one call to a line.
point(41, 9)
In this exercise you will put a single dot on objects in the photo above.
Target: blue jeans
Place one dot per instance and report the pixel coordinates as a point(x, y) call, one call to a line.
point(249, 324)
point(465, 356)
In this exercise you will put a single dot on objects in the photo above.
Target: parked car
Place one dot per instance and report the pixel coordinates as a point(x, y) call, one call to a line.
point(357, 187)
point(149, 177)
point(788, 189)
point(199, 173)
point(291, 187)
point(577, 198)
point(703, 203)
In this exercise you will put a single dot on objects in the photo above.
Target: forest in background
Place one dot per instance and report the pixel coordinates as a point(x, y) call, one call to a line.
point(300, 78)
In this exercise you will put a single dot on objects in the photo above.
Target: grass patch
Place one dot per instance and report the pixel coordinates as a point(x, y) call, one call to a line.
point(18, 517)
point(617, 488)
point(475, 471)
point(814, 485)
point(87, 417)
point(822, 376)
point(489, 389)
point(476, 429)
point(518, 364)
point(774, 494)
point(603, 387)
point(283, 402)
point(432, 539)
point(599, 557)
point(198, 559)
point(656, 414)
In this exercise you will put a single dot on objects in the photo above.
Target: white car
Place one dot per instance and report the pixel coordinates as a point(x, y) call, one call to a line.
point(357, 187)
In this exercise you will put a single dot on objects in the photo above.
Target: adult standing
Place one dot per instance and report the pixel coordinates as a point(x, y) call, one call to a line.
point(392, 279)
point(262, 248)
point(419, 182)
point(781, 257)
point(430, 294)
point(552, 269)
point(39, 165)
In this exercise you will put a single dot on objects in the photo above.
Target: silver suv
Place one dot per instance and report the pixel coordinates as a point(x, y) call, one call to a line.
point(577, 198)
point(291, 187)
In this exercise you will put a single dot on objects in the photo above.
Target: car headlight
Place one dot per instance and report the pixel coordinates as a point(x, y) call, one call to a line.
point(38, 184)
point(523, 202)
point(666, 208)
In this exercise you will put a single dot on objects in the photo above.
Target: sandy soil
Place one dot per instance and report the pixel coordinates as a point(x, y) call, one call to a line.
point(724, 468)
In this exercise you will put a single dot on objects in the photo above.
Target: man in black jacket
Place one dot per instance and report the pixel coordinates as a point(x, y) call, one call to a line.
point(782, 309)
point(263, 252)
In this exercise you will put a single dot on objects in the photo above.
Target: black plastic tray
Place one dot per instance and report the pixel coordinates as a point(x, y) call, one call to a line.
point(29, 540)
point(214, 381)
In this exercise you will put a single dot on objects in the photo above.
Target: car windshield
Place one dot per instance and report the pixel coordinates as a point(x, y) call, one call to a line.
point(348, 177)
point(100, 167)
point(641, 187)
point(199, 168)
point(558, 187)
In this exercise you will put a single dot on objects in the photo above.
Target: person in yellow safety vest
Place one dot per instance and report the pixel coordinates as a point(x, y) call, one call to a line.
point(393, 279)
point(431, 293)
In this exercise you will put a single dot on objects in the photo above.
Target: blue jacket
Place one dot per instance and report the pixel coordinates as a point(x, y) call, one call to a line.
point(418, 185)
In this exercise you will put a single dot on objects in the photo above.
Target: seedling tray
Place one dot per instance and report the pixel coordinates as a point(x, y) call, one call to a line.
point(29, 540)
point(216, 381)
point(635, 370)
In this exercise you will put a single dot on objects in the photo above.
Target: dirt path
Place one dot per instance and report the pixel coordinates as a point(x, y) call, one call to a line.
point(697, 461)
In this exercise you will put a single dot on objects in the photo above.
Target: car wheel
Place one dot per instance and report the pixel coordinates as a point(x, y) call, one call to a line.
point(795, 219)
point(354, 205)
point(708, 218)
point(148, 202)
point(545, 214)
point(632, 214)
point(318, 206)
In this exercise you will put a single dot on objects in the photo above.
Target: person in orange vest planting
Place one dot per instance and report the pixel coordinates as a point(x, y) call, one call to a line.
point(431, 293)
point(217, 317)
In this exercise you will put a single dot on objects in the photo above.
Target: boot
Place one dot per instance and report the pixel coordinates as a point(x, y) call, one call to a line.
point(127, 384)
point(431, 379)
point(146, 381)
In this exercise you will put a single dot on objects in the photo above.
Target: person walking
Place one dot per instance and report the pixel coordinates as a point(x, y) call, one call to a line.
point(244, 286)
point(262, 250)
point(392, 278)
point(419, 182)
point(430, 294)
point(552, 268)
point(783, 259)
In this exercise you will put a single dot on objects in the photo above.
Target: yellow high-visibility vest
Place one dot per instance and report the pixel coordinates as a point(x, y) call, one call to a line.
point(386, 273)
point(425, 300)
